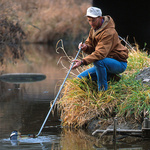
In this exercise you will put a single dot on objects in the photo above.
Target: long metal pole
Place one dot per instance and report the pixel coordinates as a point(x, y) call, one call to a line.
point(57, 95)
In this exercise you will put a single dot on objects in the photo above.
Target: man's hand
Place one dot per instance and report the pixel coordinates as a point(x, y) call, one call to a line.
point(82, 46)
point(77, 64)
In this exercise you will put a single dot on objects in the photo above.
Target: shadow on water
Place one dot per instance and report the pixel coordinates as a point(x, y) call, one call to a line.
point(25, 106)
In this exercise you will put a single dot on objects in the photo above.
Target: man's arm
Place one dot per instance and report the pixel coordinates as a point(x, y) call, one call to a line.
point(102, 49)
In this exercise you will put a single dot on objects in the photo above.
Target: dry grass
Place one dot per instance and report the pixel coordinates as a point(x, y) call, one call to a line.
point(47, 20)
point(128, 98)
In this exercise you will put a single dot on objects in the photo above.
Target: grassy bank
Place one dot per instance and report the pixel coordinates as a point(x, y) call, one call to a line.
point(47, 20)
point(128, 99)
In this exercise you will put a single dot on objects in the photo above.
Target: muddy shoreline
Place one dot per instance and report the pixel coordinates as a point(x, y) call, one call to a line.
point(101, 127)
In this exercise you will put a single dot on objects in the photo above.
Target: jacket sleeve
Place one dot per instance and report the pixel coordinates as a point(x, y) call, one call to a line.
point(88, 42)
point(102, 49)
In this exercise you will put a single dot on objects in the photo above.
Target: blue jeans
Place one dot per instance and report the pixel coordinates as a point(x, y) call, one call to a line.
point(102, 70)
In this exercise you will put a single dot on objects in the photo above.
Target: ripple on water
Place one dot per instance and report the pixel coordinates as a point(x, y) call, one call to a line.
point(39, 139)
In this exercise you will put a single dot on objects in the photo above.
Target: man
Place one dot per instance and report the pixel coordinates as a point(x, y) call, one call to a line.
point(105, 50)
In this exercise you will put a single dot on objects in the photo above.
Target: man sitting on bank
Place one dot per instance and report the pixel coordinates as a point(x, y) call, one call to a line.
point(104, 49)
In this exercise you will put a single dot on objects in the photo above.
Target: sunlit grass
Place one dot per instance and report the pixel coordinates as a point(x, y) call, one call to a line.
point(128, 98)
point(137, 60)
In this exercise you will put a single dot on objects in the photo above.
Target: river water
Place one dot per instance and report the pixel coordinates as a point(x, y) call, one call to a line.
point(24, 106)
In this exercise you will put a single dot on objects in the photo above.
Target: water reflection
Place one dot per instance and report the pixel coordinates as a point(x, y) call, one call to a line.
point(25, 107)
point(80, 140)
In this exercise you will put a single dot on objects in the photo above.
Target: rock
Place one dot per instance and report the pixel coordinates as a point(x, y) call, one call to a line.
point(93, 125)
point(146, 80)
point(144, 75)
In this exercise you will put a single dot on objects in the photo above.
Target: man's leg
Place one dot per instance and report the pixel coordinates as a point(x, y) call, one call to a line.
point(107, 65)
point(86, 73)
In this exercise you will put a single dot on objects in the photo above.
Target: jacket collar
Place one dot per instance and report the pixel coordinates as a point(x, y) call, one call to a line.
point(107, 20)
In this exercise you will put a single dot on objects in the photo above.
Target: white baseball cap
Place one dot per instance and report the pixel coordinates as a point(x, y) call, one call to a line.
point(93, 12)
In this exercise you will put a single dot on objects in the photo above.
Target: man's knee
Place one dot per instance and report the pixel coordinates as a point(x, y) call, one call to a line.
point(99, 63)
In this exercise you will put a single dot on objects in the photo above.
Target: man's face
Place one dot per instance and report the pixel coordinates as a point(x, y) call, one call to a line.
point(94, 22)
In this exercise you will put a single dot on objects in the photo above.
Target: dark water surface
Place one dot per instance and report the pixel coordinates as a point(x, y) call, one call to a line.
point(23, 107)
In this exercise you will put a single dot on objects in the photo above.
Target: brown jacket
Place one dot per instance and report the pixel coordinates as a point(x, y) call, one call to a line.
point(103, 43)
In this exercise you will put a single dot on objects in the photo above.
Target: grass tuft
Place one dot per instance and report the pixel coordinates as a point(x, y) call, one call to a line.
point(128, 98)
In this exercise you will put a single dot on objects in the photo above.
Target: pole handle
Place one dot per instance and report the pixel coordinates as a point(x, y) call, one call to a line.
point(58, 92)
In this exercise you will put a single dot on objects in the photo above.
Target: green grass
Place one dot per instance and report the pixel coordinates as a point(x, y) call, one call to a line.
point(128, 99)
